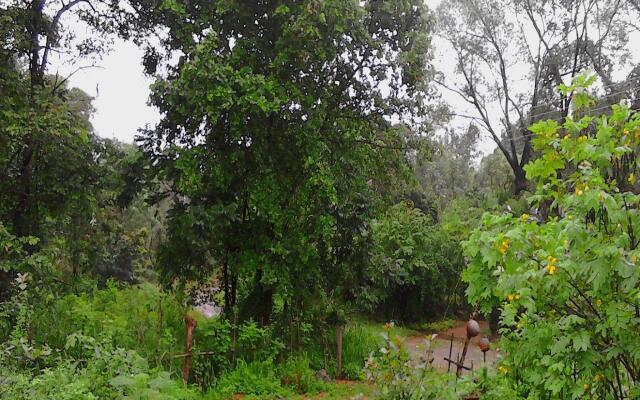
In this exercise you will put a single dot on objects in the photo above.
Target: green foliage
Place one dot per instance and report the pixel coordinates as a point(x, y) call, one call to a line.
point(359, 340)
point(567, 279)
point(435, 326)
point(257, 378)
point(94, 369)
point(414, 263)
point(397, 377)
point(139, 317)
point(274, 188)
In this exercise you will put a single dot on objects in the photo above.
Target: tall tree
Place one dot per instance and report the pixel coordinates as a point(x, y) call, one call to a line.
point(512, 54)
point(276, 139)
point(44, 125)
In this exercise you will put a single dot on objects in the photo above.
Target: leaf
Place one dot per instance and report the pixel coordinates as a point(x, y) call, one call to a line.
point(122, 381)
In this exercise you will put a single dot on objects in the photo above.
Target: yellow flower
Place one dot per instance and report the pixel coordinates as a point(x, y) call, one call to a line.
point(504, 246)
point(551, 269)
point(582, 138)
point(570, 217)
point(510, 297)
point(524, 217)
point(598, 377)
point(551, 260)
point(632, 178)
point(517, 296)
point(388, 326)
point(585, 386)
point(626, 131)
point(579, 191)
point(503, 369)
point(586, 187)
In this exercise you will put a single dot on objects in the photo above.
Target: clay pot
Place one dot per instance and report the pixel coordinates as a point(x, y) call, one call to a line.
point(473, 328)
point(484, 344)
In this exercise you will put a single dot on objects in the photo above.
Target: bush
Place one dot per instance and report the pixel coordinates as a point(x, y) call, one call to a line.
point(414, 264)
point(93, 369)
point(257, 378)
point(298, 375)
point(397, 377)
point(435, 326)
point(140, 317)
point(359, 341)
point(567, 279)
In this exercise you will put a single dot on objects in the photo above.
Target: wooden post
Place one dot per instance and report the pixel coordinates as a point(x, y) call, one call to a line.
point(234, 337)
point(339, 332)
point(464, 355)
point(450, 350)
point(190, 324)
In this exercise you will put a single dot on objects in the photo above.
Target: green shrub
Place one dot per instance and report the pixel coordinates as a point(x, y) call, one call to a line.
point(398, 378)
point(435, 326)
point(358, 342)
point(93, 369)
point(140, 317)
point(566, 280)
point(297, 374)
point(257, 378)
point(414, 264)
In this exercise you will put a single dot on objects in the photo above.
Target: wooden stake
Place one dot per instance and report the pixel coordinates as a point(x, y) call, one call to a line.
point(190, 324)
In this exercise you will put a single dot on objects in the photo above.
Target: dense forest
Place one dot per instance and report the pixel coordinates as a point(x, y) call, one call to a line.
point(325, 199)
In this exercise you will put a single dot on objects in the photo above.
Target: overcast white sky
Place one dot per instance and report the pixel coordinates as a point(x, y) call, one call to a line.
point(121, 91)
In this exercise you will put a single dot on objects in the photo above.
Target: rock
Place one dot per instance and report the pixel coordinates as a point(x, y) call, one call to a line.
point(323, 376)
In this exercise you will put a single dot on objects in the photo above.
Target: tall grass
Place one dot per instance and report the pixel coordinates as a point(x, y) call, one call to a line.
point(360, 339)
point(141, 317)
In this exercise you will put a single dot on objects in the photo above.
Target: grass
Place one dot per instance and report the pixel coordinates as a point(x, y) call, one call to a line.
point(341, 390)
point(433, 327)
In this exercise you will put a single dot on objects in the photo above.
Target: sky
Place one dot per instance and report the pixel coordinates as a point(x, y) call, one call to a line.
point(120, 90)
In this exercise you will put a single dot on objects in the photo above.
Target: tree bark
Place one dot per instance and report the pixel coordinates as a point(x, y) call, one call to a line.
point(520, 182)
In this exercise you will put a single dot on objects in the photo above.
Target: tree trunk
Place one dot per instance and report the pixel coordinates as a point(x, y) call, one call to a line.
point(24, 191)
point(520, 182)
point(494, 320)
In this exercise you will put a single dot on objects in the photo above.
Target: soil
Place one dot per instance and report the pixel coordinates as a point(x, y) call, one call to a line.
point(417, 347)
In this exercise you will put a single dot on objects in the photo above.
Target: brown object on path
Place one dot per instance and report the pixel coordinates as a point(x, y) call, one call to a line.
point(442, 344)
point(473, 328)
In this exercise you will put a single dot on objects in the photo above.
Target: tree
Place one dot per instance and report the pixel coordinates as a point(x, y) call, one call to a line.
point(44, 126)
point(450, 171)
point(501, 43)
point(414, 266)
point(276, 141)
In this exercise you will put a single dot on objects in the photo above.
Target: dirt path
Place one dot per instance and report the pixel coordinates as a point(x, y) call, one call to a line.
point(416, 346)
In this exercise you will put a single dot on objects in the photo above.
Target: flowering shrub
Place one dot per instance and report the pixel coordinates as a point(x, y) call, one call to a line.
point(399, 377)
point(566, 278)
